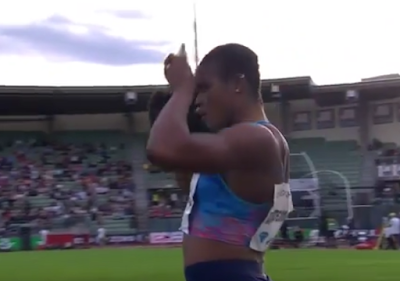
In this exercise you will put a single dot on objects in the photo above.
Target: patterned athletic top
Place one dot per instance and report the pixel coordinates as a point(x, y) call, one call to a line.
point(213, 211)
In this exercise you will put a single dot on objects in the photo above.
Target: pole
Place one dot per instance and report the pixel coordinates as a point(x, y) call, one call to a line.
point(196, 46)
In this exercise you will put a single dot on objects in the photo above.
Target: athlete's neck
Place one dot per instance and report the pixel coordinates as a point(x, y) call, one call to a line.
point(252, 113)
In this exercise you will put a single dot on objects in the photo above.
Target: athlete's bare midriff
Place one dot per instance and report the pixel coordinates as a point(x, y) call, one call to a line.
point(196, 249)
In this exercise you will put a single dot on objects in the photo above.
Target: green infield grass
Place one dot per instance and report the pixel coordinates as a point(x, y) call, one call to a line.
point(166, 265)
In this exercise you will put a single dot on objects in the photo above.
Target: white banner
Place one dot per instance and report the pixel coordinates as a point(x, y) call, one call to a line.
point(166, 237)
point(305, 184)
point(389, 171)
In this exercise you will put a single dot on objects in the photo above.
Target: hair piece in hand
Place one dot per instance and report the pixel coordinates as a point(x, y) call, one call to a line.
point(157, 102)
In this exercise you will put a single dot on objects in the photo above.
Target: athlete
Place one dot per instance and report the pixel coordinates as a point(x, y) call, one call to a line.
point(101, 235)
point(239, 193)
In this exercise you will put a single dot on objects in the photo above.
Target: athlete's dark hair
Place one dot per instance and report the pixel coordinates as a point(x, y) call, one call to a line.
point(233, 60)
point(159, 99)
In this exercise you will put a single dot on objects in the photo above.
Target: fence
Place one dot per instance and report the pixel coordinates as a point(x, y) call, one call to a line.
point(70, 240)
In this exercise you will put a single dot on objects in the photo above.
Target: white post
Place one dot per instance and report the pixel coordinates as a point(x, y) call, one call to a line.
point(347, 187)
point(196, 39)
point(313, 173)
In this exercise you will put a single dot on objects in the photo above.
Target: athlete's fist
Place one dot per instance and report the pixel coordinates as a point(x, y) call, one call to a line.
point(178, 73)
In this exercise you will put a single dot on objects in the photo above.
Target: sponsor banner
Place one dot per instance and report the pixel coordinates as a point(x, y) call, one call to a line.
point(15, 244)
point(81, 240)
point(304, 184)
point(348, 117)
point(166, 237)
point(325, 119)
point(389, 171)
point(36, 242)
point(59, 240)
point(357, 232)
point(125, 239)
point(383, 113)
point(10, 244)
point(136, 239)
point(301, 121)
point(312, 234)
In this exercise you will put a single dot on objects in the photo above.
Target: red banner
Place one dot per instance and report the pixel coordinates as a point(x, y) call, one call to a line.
point(61, 240)
point(65, 240)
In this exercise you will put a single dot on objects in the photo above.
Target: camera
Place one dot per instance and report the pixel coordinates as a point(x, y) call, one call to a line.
point(351, 96)
point(130, 98)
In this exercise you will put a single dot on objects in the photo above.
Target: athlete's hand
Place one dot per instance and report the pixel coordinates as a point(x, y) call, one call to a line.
point(178, 73)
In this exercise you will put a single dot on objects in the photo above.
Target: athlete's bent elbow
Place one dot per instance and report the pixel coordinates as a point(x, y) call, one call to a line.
point(155, 155)
point(170, 157)
point(161, 157)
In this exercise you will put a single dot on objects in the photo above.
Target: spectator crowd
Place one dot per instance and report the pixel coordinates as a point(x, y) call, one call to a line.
point(48, 183)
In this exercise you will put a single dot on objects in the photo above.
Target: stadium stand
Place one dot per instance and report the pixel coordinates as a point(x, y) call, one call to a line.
point(73, 157)
point(72, 175)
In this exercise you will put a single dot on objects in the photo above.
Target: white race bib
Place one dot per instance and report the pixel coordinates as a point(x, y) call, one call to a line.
point(271, 225)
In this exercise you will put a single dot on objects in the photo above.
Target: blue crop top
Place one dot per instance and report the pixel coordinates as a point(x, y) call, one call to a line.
point(213, 211)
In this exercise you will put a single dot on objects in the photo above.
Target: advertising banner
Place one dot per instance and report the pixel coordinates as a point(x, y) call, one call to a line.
point(124, 239)
point(134, 239)
point(10, 244)
point(303, 184)
point(389, 171)
point(59, 240)
point(36, 242)
point(166, 237)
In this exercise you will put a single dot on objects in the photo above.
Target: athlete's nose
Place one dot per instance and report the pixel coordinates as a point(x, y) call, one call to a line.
point(200, 110)
point(197, 100)
point(198, 104)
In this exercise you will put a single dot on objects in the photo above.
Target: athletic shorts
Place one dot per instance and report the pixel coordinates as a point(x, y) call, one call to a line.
point(226, 270)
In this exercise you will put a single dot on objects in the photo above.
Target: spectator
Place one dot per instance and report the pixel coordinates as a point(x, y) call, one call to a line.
point(68, 180)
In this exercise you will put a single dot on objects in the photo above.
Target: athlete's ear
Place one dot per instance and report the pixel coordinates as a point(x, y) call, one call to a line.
point(240, 83)
point(237, 83)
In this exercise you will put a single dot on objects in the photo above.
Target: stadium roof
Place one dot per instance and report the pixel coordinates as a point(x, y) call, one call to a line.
point(383, 83)
point(111, 99)
point(378, 84)
point(31, 89)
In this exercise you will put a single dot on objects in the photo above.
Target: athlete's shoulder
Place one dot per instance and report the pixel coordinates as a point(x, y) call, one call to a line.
point(278, 136)
point(257, 131)
point(249, 134)
point(250, 141)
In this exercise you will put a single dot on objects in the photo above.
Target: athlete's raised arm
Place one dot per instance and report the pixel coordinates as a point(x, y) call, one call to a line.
point(156, 103)
point(237, 145)
point(242, 146)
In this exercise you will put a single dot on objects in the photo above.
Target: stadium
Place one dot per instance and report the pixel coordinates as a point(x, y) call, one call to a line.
point(72, 162)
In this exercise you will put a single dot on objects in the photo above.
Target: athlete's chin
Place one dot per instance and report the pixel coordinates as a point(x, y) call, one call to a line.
point(212, 126)
point(211, 123)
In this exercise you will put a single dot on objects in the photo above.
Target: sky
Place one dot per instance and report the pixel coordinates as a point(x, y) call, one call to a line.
point(124, 42)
